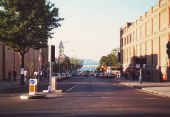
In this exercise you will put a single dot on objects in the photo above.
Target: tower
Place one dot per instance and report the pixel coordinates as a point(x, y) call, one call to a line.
point(61, 49)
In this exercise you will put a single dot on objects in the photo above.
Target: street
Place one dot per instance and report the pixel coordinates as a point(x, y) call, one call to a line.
point(86, 97)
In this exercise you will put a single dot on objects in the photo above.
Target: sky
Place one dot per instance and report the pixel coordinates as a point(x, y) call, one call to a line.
point(91, 28)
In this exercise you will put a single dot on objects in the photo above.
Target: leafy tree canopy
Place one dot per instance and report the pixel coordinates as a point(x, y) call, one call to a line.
point(76, 63)
point(111, 59)
point(27, 24)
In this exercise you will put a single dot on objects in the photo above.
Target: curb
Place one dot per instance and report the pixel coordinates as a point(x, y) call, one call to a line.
point(154, 93)
point(36, 96)
point(42, 95)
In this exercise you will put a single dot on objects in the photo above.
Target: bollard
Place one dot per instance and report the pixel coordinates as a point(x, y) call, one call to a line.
point(53, 84)
point(32, 86)
point(49, 89)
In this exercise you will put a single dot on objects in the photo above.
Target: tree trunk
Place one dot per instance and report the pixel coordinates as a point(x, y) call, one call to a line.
point(3, 63)
point(22, 68)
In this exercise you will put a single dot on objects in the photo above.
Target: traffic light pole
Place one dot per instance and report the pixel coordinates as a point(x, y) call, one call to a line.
point(140, 75)
point(49, 59)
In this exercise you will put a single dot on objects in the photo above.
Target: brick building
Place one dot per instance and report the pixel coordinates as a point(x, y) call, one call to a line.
point(147, 38)
point(10, 60)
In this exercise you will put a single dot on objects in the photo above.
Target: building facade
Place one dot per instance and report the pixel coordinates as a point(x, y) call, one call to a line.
point(147, 38)
point(10, 60)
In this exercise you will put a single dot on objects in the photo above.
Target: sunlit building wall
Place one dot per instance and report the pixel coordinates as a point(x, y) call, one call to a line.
point(147, 38)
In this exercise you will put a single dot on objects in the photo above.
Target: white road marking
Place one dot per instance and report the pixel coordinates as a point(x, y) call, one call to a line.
point(72, 87)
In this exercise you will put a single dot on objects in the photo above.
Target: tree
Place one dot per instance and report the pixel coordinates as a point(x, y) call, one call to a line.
point(76, 64)
point(103, 61)
point(27, 24)
point(111, 59)
point(66, 64)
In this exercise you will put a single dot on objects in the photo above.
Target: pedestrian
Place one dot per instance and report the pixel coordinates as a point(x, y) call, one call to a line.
point(36, 75)
point(25, 75)
point(14, 75)
point(9, 75)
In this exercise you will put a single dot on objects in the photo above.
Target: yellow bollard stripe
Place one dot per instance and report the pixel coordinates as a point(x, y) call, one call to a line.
point(33, 88)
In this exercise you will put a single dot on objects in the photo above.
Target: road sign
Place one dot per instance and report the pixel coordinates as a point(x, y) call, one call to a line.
point(32, 81)
point(32, 86)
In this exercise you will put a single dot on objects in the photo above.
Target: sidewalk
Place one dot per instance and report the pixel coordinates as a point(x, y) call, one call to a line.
point(16, 84)
point(159, 88)
point(9, 85)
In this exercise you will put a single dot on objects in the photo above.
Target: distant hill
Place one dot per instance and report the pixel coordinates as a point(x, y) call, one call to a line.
point(90, 62)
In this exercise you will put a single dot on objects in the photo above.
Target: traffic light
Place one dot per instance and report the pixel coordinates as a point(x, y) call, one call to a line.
point(118, 56)
point(137, 60)
point(52, 53)
point(168, 49)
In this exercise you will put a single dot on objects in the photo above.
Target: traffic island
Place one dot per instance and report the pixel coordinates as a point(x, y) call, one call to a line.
point(42, 95)
point(50, 93)
point(35, 96)
point(53, 94)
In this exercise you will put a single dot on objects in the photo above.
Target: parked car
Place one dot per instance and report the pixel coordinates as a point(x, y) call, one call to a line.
point(111, 75)
point(97, 74)
point(57, 76)
point(67, 75)
point(103, 75)
point(63, 76)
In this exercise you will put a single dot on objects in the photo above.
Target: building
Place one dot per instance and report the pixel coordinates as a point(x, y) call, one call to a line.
point(147, 38)
point(63, 61)
point(10, 60)
point(61, 56)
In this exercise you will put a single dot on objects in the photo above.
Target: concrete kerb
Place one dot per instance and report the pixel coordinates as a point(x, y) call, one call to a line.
point(156, 93)
point(53, 94)
point(42, 95)
point(38, 95)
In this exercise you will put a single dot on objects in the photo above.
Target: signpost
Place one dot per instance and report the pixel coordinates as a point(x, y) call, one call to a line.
point(140, 63)
point(32, 86)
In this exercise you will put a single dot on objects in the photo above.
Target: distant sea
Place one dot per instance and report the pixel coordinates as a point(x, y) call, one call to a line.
point(89, 65)
point(87, 69)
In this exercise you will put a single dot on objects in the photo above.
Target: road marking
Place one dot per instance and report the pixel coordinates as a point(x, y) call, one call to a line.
point(72, 87)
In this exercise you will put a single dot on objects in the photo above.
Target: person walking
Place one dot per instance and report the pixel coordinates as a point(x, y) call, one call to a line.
point(14, 75)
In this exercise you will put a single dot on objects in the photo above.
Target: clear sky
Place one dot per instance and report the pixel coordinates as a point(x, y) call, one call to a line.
point(91, 27)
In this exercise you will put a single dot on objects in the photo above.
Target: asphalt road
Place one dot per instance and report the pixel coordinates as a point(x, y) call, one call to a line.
point(86, 97)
